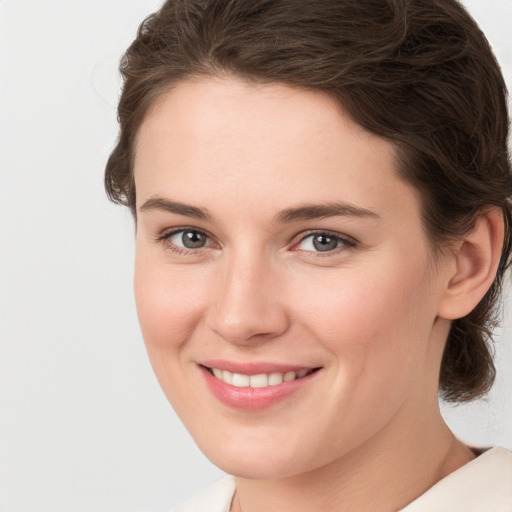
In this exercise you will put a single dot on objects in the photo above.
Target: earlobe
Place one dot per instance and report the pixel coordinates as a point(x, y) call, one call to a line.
point(477, 258)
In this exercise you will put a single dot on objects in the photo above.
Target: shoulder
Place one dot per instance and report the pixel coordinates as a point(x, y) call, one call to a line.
point(216, 498)
point(482, 485)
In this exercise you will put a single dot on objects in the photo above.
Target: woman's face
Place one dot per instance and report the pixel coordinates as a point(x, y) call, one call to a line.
point(284, 284)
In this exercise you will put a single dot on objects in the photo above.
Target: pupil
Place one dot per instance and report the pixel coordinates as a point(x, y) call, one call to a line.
point(193, 240)
point(324, 243)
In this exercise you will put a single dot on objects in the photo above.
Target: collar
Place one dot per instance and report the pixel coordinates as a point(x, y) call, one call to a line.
point(482, 485)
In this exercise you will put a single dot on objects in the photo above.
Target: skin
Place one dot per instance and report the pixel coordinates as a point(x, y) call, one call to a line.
point(374, 313)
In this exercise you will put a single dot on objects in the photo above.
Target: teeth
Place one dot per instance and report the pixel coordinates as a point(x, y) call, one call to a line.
point(240, 380)
point(288, 376)
point(274, 379)
point(258, 381)
point(261, 380)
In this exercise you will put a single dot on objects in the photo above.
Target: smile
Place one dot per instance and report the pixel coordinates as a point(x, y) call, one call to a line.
point(255, 387)
point(261, 380)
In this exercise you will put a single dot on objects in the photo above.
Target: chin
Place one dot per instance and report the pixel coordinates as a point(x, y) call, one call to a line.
point(256, 468)
point(267, 461)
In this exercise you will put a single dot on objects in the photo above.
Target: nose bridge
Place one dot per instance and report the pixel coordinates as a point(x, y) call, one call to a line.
point(247, 304)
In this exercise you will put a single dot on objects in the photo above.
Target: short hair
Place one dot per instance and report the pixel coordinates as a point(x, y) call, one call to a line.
point(418, 73)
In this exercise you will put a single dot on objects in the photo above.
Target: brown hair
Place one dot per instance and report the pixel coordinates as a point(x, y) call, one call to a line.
point(418, 72)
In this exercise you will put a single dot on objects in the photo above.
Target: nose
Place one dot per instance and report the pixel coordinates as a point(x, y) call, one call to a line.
point(247, 307)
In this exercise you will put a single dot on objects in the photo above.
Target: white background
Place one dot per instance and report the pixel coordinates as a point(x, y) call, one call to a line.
point(83, 423)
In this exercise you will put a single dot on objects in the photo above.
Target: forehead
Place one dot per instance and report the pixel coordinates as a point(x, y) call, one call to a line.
point(225, 138)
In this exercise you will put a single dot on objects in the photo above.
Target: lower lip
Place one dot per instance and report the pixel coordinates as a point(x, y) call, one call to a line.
point(253, 399)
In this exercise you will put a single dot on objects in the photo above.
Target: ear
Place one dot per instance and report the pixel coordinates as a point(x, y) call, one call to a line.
point(476, 260)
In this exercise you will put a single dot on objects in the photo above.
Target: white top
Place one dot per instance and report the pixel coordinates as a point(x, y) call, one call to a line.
point(482, 485)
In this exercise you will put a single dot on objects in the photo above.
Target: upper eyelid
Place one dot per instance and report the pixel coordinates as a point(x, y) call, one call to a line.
point(163, 238)
point(166, 233)
point(341, 236)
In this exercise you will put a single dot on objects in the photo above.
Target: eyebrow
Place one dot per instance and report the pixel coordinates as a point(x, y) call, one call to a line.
point(321, 211)
point(159, 203)
point(287, 216)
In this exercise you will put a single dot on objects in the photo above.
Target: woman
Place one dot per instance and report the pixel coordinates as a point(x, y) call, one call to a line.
point(322, 196)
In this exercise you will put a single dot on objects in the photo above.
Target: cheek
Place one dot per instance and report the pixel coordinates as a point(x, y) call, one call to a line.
point(364, 305)
point(169, 302)
point(376, 328)
point(169, 307)
point(377, 332)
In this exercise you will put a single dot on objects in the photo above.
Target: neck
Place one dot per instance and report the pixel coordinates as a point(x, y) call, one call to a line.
point(386, 474)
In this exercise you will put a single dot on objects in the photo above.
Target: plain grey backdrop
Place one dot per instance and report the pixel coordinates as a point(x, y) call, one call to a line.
point(83, 423)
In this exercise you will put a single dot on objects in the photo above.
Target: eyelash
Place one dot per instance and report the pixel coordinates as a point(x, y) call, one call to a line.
point(344, 242)
point(165, 237)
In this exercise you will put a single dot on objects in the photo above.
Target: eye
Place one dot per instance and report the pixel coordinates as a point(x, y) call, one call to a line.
point(187, 239)
point(323, 242)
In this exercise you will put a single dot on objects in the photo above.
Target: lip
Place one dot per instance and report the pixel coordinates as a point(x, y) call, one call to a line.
point(253, 368)
point(253, 399)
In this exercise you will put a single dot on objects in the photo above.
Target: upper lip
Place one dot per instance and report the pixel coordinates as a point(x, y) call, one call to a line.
point(255, 368)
